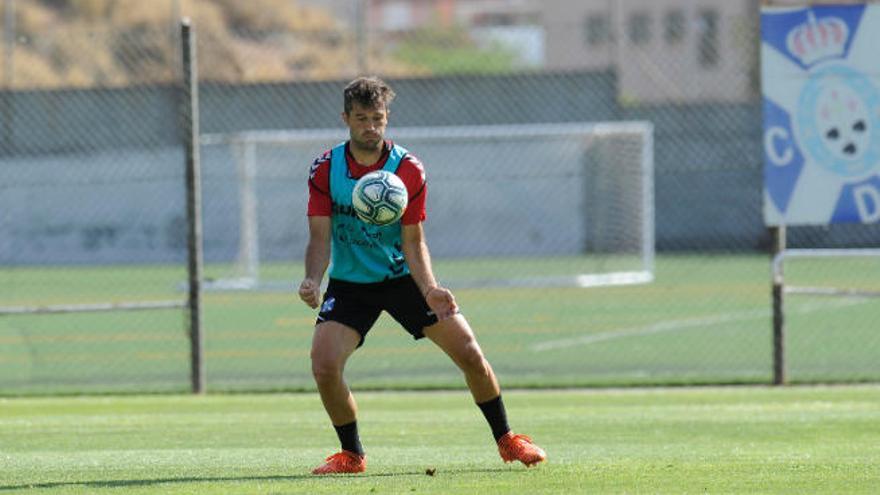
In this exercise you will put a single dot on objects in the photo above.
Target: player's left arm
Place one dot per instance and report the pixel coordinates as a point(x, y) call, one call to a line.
point(415, 250)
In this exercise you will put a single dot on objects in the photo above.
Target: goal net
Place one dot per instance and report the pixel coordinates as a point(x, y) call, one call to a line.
point(509, 205)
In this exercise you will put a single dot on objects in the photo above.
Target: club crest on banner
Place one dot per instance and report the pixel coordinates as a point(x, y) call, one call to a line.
point(821, 114)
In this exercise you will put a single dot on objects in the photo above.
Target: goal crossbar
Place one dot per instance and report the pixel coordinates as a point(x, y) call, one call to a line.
point(435, 133)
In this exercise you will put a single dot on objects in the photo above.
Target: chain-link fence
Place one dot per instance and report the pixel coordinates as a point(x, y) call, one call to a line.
point(92, 199)
point(92, 216)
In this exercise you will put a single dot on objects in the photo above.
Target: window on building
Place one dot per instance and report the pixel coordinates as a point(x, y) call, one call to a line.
point(674, 26)
point(708, 52)
point(597, 29)
point(496, 19)
point(639, 28)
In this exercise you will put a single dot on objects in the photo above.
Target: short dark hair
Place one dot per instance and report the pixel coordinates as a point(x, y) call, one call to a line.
point(369, 92)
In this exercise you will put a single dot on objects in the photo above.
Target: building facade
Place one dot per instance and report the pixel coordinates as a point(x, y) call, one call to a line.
point(661, 50)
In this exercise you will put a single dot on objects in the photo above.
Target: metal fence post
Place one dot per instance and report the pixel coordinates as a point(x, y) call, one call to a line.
point(778, 248)
point(190, 127)
point(8, 74)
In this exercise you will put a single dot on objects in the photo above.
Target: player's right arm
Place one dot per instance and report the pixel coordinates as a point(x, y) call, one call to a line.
point(318, 250)
point(316, 261)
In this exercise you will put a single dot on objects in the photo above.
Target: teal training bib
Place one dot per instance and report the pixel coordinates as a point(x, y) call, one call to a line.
point(361, 252)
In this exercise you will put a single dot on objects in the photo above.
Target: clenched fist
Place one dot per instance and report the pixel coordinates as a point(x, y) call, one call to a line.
point(310, 292)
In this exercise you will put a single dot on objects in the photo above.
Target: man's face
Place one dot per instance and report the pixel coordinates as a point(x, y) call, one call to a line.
point(367, 125)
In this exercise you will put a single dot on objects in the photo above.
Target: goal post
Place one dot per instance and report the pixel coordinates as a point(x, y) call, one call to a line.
point(508, 205)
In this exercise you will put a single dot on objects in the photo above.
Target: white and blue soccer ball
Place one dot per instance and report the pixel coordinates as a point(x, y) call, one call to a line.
point(379, 198)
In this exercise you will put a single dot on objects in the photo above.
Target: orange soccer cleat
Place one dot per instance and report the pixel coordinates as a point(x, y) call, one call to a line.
point(520, 448)
point(342, 463)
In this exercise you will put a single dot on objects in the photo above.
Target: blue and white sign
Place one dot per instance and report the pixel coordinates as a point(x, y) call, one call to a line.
point(820, 72)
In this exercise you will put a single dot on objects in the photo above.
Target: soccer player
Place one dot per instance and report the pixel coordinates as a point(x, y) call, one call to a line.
point(372, 272)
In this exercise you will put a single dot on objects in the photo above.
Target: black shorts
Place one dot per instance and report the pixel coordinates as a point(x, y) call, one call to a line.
point(359, 305)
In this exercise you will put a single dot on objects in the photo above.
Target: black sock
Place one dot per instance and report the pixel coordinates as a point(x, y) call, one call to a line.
point(495, 414)
point(348, 437)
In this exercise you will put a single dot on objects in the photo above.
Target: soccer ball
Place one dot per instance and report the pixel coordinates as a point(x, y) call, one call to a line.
point(379, 198)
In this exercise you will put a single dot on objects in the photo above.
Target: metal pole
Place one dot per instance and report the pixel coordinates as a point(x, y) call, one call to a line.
point(249, 241)
point(778, 247)
point(361, 49)
point(190, 127)
point(777, 253)
point(8, 42)
point(175, 9)
point(174, 36)
point(8, 72)
point(616, 12)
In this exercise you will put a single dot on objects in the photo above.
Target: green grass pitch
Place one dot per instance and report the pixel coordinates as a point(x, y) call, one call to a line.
point(704, 320)
point(666, 440)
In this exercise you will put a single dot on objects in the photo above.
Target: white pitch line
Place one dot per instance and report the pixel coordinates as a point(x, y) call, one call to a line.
point(675, 325)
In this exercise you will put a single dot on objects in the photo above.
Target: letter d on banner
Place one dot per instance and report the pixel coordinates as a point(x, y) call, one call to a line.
point(859, 202)
point(867, 198)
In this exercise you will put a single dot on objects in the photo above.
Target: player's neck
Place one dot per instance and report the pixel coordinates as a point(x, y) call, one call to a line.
point(364, 157)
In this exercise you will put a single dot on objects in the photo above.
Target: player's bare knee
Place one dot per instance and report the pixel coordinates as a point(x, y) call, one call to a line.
point(326, 376)
point(325, 371)
point(472, 360)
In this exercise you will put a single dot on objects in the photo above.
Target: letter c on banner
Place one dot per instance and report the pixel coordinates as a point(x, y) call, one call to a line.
point(773, 135)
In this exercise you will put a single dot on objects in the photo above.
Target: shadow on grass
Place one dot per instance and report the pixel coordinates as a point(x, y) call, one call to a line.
point(235, 479)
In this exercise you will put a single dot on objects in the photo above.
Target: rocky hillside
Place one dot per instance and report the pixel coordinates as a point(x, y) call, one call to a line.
point(89, 43)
